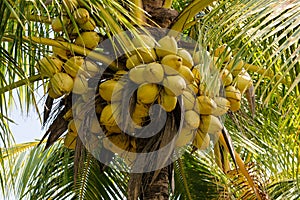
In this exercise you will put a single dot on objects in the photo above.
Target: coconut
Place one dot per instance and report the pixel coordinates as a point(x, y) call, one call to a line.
point(81, 15)
point(166, 45)
point(89, 25)
point(187, 59)
point(74, 65)
point(58, 23)
point(49, 65)
point(80, 85)
point(88, 39)
point(61, 83)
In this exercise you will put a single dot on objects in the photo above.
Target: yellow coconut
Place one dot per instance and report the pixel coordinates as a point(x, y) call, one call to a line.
point(201, 140)
point(94, 125)
point(143, 41)
point(235, 105)
point(192, 119)
point(226, 77)
point(111, 90)
point(223, 106)
point(187, 74)
point(196, 73)
point(110, 115)
point(205, 105)
point(58, 24)
point(171, 64)
point(81, 15)
point(166, 45)
point(232, 93)
point(243, 81)
point(90, 68)
point(210, 124)
point(147, 93)
point(174, 85)
point(61, 83)
point(146, 55)
point(70, 141)
point(49, 65)
point(133, 61)
point(90, 25)
point(187, 59)
point(188, 100)
point(185, 136)
point(153, 73)
point(88, 39)
point(136, 74)
point(74, 65)
point(168, 102)
point(80, 85)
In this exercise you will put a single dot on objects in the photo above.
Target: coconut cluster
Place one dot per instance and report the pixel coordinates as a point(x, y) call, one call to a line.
point(234, 76)
point(69, 72)
point(162, 73)
point(66, 70)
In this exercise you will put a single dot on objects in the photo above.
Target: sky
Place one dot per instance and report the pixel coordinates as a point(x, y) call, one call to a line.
point(27, 127)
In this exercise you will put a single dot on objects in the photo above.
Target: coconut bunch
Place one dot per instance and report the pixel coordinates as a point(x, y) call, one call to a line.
point(234, 76)
point(163, 73)
point(69, 72)
point(66, 76)
point(63, 66)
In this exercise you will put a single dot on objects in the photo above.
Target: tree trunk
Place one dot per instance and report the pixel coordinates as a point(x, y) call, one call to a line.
point(143, 186)
point(159, 189)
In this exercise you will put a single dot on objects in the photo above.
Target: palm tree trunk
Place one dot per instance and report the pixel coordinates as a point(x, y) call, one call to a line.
point(143, 185)
point(161, 16)
point(159, 189)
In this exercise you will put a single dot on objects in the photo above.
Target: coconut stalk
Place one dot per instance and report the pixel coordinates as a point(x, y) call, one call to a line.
point(139, 12)
point(20, 83)
point(35, 18)
point(265, 72)
point(74, 48)
point(167, 3)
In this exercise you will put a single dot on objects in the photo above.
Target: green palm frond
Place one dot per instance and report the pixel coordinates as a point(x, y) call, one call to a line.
point(241, 187)
point(285, 189)
point(204, 179)
point(257, 37)
point(36, 173)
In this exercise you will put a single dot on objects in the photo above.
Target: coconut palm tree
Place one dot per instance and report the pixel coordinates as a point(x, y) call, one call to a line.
point(261, 162)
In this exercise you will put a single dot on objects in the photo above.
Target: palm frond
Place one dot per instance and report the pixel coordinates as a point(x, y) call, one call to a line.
point(241, 187)
point(203, 178)
point(285, 189)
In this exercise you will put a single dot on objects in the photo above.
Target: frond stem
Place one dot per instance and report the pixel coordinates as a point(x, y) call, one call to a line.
point(181, 168)
point(242, 167)
point(139, 12)
point(35, 18)
point(72, 47)
point(168, 3)
point(20, 83)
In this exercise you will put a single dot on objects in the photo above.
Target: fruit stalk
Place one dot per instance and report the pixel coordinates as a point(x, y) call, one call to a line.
point(139, 13)
point(72, 47)
point(20, 83)
point(168, 3)
point(35, 18)
point(264, 72)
